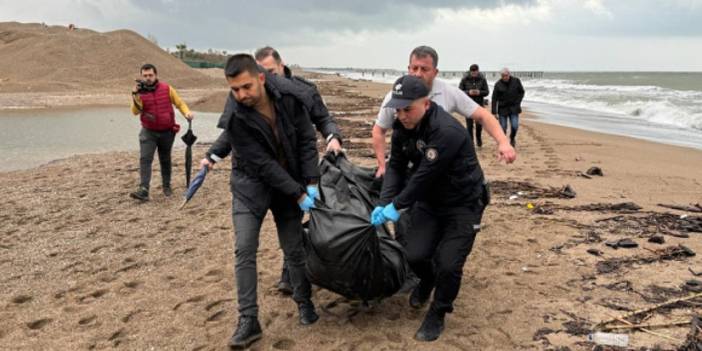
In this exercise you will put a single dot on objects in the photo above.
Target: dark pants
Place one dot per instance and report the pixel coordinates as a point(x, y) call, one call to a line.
point(438, 243)
point(478, 131)
point(247, 227)
point(149, 142)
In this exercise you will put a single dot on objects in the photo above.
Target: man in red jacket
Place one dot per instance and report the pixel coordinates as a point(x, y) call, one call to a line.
point(153, 101)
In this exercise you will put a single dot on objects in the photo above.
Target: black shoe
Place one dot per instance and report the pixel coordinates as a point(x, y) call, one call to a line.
point(307, 313)
point(420, 295)
point(479, 143)
point(247, 332)
point(284, 285)
point(432, 326)
point(512, 142)
point(141, 194)
point(167, 190)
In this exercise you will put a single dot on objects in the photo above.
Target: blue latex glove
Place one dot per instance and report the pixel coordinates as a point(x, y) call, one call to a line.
point(313, 191)
point(376, 218)
point(307, 203)
point(390, 213)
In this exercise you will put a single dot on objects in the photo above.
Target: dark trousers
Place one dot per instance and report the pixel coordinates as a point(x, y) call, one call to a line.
point(478, 131)
point(247, 227)
point(149, 142)
point(438, 243)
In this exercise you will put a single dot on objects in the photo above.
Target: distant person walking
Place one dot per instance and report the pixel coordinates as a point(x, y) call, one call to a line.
point(506, 102)
point(152, 100)
point(475, 85)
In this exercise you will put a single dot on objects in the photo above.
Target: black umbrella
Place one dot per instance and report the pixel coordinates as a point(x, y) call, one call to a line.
point(189, 139)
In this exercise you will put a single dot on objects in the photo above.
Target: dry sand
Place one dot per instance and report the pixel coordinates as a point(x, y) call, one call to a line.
point(85, 267)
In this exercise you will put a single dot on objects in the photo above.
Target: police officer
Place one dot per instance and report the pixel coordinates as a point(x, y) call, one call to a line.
point(274, 167)
point(446, 191)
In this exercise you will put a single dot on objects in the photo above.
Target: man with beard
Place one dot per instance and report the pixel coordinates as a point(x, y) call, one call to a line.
point(274, 167)
point(152, 100)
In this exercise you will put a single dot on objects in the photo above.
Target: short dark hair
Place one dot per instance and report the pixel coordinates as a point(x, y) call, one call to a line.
point(147, 67)
point(474, 67)
point(267, 51)
point(240, 63)
point(424, 51)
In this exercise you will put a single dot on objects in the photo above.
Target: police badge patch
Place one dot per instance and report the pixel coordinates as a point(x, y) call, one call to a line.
point(431, 154)
point(421, 145)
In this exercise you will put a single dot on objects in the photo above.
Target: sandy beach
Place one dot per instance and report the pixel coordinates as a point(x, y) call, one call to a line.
point(86, 267)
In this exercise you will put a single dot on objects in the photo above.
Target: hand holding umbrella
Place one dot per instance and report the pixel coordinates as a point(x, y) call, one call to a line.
point(194, 186)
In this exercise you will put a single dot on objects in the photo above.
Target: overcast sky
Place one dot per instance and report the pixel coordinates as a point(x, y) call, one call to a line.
point(663, 35)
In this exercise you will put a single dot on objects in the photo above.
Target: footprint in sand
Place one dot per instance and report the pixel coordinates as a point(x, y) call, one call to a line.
point(39, 323)
point(87, 321)
point(20, 299)
point(216, 316)
point(284, 344)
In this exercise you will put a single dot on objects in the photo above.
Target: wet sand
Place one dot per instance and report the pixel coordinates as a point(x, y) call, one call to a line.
point(86, 267)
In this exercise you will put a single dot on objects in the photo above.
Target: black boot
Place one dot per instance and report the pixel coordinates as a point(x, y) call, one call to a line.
point(141, 194)
point(247, 332)
point(307, 313)
point(167, 190)
point(432, 326)
point(512, 142)
point(420, 295)
point(284, 285)
point(479, 141)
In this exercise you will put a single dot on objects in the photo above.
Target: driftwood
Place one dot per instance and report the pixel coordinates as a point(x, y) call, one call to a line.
point(650, 308)
point(646, 330)
point(647, 325)
point(694, 208)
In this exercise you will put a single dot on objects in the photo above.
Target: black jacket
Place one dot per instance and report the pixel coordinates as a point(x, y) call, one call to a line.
point(480, 83)
point(319, 114)
point(508, 97)
point(256, 172)
point(444, 168)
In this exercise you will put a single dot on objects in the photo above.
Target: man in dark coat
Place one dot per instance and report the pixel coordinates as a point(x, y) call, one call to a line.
point(475, 86)
point(274, 167)
point(507, 102)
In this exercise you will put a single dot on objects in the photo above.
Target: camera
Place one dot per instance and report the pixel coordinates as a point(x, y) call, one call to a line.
point(144, 87)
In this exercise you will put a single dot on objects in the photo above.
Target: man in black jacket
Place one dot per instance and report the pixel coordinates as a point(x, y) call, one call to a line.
point(274, 167)
point(475, 85)
point(269, 58)
point(506, 102)
point(445, 189)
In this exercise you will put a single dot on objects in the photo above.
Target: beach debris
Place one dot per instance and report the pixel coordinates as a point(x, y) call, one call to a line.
point(625, 316)
point(581, 174)
point(623, 243)
point(594, 171)
point(647, 325)
point(693, 342)
point(693, 285)
point(595, 252)
point(696, 274)
point(530, 206)
point(692, 208)
point(656, 239)
point(652, 223)
point(529, 191)
point(670, 253)
point(609, 339)
point(543, 209)
point(567, 192)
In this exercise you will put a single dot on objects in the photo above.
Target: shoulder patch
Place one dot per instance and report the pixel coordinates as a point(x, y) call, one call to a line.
point(431, 154)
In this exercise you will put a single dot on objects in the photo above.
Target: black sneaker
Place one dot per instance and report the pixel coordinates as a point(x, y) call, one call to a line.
point(167, 190)
point(420, 295)
point(307, 313)
point(247, 332)
point(513, 142)
point(284, 285)
point(432, 326)
point(480, 142)
point(141, 194)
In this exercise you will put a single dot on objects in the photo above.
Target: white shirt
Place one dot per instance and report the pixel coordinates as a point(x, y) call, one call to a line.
point(449, 97)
